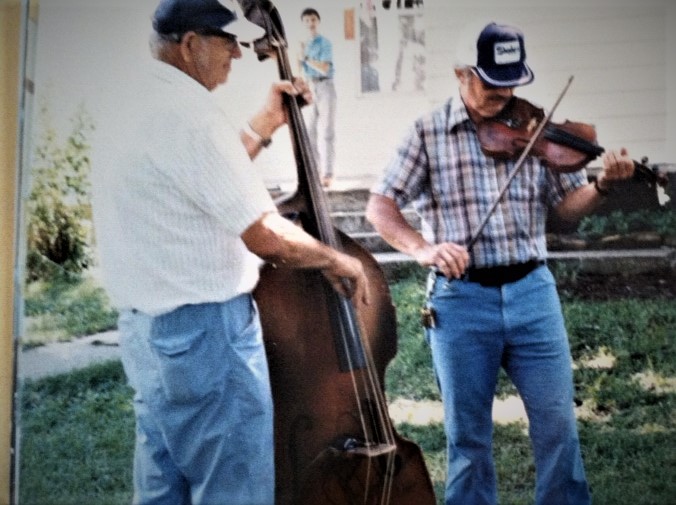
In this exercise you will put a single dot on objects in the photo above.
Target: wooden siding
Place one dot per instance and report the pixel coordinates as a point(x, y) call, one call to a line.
point(616, 51)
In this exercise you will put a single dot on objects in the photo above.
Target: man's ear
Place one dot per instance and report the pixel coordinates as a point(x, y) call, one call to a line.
point(460, 73)
point(187, 46)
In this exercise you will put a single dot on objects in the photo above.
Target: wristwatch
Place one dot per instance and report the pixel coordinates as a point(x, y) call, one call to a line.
point(263, 142)
point(601, 191)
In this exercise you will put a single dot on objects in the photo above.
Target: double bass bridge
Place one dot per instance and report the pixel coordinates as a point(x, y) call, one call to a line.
point(358, 447)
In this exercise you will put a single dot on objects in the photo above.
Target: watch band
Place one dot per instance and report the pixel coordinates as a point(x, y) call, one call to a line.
point(601, 191)
point(263, 142)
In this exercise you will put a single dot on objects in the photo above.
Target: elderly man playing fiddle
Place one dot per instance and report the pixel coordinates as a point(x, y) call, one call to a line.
point(495, 304)
point(182, 220)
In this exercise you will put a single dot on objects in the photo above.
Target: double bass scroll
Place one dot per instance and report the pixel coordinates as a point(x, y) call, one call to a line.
point(334, 439)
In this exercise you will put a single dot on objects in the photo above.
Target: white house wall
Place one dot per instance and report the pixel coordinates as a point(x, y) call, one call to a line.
point(616, 51)
point(619, 51)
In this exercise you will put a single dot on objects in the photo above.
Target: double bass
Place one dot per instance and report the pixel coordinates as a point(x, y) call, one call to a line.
point(334, 439)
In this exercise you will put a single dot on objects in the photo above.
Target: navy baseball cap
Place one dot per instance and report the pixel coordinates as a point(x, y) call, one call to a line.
point(180, 16)
point(498, 56)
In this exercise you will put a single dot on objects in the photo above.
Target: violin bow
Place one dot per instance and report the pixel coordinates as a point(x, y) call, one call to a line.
point(517, 167)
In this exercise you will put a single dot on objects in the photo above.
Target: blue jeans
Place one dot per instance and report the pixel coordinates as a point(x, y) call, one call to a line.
point(203, 405)
point(321, 125)
point(518, 326)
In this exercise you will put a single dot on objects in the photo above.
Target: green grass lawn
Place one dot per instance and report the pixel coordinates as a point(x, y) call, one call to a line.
point(77, 429)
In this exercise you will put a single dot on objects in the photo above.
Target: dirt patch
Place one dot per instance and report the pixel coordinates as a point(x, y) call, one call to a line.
point(589, 286)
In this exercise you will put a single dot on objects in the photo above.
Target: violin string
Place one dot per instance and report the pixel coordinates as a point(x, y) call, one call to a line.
point(517, 167)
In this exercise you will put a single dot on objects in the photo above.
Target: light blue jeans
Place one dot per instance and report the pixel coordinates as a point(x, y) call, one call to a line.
point(321, 125)
point(203, 405)
point(518, 326)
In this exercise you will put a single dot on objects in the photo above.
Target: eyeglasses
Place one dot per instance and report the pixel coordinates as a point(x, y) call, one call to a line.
point(205, 32)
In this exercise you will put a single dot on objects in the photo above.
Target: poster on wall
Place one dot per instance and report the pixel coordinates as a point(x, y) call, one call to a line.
point(392, 46)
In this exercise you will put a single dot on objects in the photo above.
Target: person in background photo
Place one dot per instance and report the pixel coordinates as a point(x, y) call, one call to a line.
point(183, 223)
point(316, 64)
point(495, 304)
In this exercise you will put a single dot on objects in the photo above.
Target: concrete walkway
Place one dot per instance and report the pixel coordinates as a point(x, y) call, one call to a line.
point(62, 357)
point(58, 358)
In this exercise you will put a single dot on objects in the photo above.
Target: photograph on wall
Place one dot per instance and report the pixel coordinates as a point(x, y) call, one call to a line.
point(392, 46)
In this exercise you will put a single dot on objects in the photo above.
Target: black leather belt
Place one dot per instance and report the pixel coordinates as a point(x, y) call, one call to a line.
point(497, 276)
point(320, 79)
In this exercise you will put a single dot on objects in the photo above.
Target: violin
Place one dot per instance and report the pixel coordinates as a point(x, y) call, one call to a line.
point(563, 147)
point(521, 129)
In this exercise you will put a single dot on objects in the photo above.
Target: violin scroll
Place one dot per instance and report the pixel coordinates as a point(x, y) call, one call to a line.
point(654, 178)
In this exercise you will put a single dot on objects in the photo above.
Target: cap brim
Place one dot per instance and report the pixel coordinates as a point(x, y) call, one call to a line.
point(244, 30)
point(507, 77)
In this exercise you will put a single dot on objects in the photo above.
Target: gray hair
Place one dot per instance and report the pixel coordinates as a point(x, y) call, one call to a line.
point(160, 45)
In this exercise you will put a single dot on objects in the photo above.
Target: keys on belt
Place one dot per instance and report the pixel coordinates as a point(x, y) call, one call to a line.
point(488, 277)
point(428, 317)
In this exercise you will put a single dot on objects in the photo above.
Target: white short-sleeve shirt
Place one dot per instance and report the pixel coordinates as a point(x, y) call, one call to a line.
point(173, 190)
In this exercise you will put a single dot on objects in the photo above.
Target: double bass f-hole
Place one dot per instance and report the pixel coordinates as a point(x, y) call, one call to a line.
point(334, 439)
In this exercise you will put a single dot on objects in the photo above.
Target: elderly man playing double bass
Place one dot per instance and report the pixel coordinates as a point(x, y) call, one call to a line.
point(494, 305)
point(181, 220)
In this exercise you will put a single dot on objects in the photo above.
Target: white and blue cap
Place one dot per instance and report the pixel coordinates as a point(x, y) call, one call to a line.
point(211, 16)
point(498, 56)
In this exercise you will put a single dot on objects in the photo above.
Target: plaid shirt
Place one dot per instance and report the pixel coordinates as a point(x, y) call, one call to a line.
point(440, 169)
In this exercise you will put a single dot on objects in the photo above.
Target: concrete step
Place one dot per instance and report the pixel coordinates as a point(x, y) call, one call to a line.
point(624, 261)
point(371, 241)
point(349, 200)
point(354, 221)
point(640, 245)
point(347, 211)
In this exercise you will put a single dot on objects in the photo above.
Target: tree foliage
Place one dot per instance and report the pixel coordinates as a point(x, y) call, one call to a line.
point(58, 206)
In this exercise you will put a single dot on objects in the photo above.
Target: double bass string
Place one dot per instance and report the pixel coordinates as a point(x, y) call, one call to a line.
point(370, 381)
point(361, 459)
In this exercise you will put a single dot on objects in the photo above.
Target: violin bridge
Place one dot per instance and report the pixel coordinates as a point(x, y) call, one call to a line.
point(532, 124)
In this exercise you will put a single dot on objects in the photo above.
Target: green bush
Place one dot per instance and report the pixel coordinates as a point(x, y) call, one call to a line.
point(662, 221)
point(58, 206)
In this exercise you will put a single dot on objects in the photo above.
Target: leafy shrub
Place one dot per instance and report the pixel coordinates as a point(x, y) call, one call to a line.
point(662, 221)
point(58, 206)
